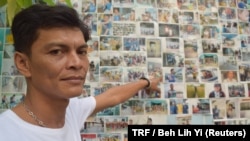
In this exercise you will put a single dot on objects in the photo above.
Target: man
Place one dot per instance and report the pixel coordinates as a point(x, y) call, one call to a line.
point(51, 53)
point(171, 93)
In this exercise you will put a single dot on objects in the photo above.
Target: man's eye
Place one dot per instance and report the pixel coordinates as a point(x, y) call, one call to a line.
point(55, 52)
point(82, 52)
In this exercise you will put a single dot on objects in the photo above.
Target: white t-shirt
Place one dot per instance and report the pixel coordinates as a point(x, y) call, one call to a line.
point(13, 128)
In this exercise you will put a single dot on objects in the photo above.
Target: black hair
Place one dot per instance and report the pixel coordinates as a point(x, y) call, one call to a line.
point(27, 23)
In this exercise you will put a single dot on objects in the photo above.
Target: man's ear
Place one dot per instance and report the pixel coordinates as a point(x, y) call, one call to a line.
point(22, 63)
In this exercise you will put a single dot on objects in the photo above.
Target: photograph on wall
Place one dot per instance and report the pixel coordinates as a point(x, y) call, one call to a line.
point(195, 90)
point(132, 107)
point(134, 59)
point(179, 106)
point(173, 74)
point(218, 107)
point(209, 74)
point(191, 70)
point(156, 106)
point(108, 43)
point(124, 29)
point(215, 90)
point(111, 58)
point(153, 48)
point(93, 72)
point(94, 47)
point(245, 108)
point(90, 19)
point(147, 119)
point(132, 74)
point(115, 124)
point(174, 90)
point(232, 108)
point(93, 125)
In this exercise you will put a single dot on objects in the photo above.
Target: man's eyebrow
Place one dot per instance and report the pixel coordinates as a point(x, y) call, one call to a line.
point(85, 45)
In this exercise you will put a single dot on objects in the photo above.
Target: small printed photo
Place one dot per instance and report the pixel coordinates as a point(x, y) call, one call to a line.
point(110, 43)
point(116, 124)
point(2, 17)
point(121, 14)
point(209, 60)
point(104, 24)
point(215, 90)
point(174, 90)
point(245, 48)
point(244, 28)
point(124, 29)
point(146, 14)
point(144, 94)
point(99, 88)
point(204, 6)
point(229, 76)
point(86, 90)
point(90, 19)
point(147, 28)
point(125, 3)
point(173, 74)
point(200, 106)
point(190, 32)
point(245, 108)
point(168, 30)
point(93, 72)
point(88, 136)
point(228, 62)
point(8, 52)
point(190, 119)
point(109, 136)
point(2, 42)
point(9, 68)
point(89, 6)
point(147, 120)
point(13, 84)
point(111, 58)
point(135, 59)
point(211, 46)
point(93, 49)
point(237, 90)
point(156, 106)
point(232, 110)
point(209, 18)
point(175, 59)
point(227, 13)
point(209, 75)
point(218, 107)
point(237, 122)
point(243, 15)
point(93, 125)
point(10, 100)
point(132, 74)
point(244, 72)
point(172, 45)
point(131, 44)
point(186, 5)
point(191, 70)
point(145, 3)
point(132, 107)
point(166, 4)
point(154, 68)
point(195, 90)
point(153, 48)
point(104, 6)
point(111, 74)
point(188, 17)
point(190, 49)
point(210, 32)
point(111, 111)
point(179, 106)
point(229, 27)
point(229, 40)
point(168, 16)
point(8, 36)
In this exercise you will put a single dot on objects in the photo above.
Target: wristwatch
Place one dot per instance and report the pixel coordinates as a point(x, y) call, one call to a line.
point(149, 83)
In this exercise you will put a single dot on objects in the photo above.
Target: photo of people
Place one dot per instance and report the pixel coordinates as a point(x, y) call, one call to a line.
point(218, 108)
point(195, 90)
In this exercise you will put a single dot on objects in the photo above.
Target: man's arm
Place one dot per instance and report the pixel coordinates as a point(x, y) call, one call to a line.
point(120, 94)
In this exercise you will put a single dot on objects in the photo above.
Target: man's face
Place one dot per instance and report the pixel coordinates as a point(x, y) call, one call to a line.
point(59, 63)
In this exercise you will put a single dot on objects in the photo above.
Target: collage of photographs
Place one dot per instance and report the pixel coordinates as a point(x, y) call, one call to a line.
point(200, 47)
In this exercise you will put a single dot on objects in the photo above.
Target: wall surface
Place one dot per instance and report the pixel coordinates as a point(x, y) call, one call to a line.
point(198, 46)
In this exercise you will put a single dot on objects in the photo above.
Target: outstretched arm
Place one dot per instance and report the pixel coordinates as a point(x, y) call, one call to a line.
point(120, 94)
